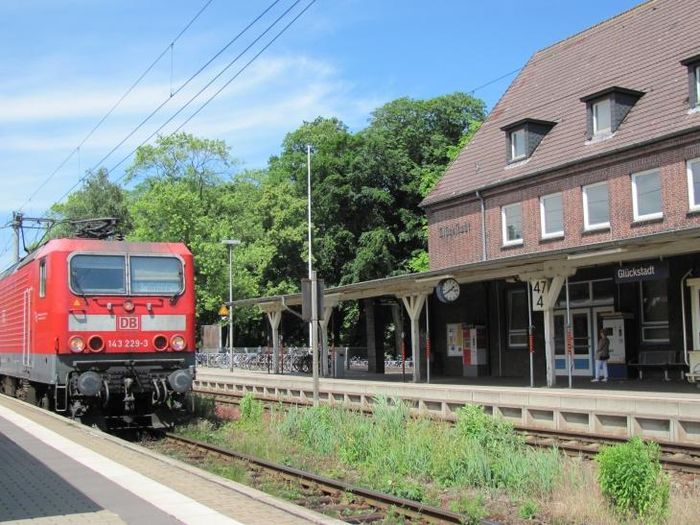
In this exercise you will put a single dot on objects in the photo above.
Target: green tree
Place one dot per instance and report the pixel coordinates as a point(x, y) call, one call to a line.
point(412, 142)
point(334, 149)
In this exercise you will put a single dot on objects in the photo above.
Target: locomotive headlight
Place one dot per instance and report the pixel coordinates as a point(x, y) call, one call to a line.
point(96, 343)
point(76, 344)
point(89, 383)
point(178, 343)
point(180, 381)
point(128, 305)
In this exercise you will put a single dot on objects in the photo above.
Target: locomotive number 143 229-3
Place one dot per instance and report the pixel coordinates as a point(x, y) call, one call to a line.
point(127, 343)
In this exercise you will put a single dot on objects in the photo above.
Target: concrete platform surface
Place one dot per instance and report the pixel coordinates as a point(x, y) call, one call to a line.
point(56, 472)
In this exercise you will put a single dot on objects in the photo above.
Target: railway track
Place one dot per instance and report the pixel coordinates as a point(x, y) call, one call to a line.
point(349, 503)
point(677, 457)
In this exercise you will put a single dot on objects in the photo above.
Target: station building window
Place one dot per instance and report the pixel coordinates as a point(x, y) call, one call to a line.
point(694, 184)
point(596, 212)
point(512, 220)
point(693, 65)
point(587, 293)
point(517, 144)
point(646, 195)
point(654, 301)
point(602, 123)
point(517, 318)
point(552, 215)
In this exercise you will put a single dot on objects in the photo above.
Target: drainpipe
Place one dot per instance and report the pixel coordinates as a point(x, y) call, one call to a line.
point(685, 332)
point(483, 226)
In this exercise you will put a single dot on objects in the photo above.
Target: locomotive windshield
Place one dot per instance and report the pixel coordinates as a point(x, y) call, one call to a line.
point(98, 274)
point(156, 275)
point(92, 274)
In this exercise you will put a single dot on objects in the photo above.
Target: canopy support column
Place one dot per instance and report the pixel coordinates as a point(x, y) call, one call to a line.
point(414, 306)
point(550, 299)
point(274, 316)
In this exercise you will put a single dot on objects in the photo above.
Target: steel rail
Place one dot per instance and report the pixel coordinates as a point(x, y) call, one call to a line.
point(590, 445)
point(385, 500)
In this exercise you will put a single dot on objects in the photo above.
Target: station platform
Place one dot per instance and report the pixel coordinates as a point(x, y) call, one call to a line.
point(616, 408)
point(54, 471)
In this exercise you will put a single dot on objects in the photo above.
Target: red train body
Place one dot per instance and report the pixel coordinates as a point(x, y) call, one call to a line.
point(100, 329)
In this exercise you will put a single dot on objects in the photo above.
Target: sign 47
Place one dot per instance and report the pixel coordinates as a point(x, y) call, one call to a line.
point(539, 290)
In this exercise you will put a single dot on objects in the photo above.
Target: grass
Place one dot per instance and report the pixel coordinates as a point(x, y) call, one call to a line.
point(392, 452)
point(477, 467)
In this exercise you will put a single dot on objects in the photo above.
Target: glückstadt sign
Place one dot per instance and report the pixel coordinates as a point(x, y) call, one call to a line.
point(453, 230)
point(648, 271)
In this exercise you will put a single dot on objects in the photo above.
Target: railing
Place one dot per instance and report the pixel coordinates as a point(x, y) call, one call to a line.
point(292, 359)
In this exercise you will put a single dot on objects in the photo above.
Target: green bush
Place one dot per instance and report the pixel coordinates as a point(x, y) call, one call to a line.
point(630, 477)
point(251, 410)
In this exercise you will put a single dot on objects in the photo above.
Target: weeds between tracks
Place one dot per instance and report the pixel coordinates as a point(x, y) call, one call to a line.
point(479, 467)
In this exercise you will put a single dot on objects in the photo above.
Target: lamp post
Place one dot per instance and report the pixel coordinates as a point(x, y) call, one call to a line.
point(231, 243)
point(313, 326)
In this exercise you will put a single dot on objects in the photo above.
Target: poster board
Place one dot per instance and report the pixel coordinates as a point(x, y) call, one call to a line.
point(455, 340)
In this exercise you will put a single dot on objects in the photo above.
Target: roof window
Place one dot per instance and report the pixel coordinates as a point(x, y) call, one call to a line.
point(607, 109)
point(693, 65)
point(523, 137)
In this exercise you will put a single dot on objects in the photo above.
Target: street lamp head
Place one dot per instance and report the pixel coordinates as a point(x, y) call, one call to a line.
point(231, 242)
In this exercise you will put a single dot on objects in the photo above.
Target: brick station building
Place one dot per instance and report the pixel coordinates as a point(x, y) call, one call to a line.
point(585, 177)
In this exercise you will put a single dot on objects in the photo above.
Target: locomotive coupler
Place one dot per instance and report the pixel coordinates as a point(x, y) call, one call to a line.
point(129, 402)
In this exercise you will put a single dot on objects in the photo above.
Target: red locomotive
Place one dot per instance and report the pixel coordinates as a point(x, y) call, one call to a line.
point(103, 331)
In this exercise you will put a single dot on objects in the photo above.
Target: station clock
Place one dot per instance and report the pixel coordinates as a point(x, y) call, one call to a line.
point(447, 290)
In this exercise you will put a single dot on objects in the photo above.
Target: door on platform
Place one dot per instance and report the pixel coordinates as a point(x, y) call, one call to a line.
point(598, 325)
point(582, 364)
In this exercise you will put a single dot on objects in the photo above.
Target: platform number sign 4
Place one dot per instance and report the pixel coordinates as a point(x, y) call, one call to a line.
point(539, 290)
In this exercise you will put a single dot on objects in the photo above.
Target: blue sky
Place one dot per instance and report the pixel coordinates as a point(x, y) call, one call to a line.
point(64, 63)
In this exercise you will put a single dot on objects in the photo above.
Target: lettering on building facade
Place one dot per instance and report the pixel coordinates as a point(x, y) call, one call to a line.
point(461, 228)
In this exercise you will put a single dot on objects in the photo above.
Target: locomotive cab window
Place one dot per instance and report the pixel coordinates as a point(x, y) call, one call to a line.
point(98, 274)
point(155, 275)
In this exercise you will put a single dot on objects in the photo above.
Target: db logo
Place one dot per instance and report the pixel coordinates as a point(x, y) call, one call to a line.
point(128, 323)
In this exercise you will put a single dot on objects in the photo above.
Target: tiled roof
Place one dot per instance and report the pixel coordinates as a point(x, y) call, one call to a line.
point(640, 49)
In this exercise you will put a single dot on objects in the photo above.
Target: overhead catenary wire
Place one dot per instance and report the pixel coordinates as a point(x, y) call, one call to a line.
point(181, 87)
point(234, 77)
point(115, 106)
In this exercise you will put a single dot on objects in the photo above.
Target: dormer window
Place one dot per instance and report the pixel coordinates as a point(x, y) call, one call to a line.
point(693, 65)
point(607, 109)
point(517, 144)
point(523, 137)
point(601, 117)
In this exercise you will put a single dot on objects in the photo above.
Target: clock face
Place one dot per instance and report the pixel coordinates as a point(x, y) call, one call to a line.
point(448, 290)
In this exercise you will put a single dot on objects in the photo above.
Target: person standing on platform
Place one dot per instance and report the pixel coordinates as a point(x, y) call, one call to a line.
point(602, 355)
